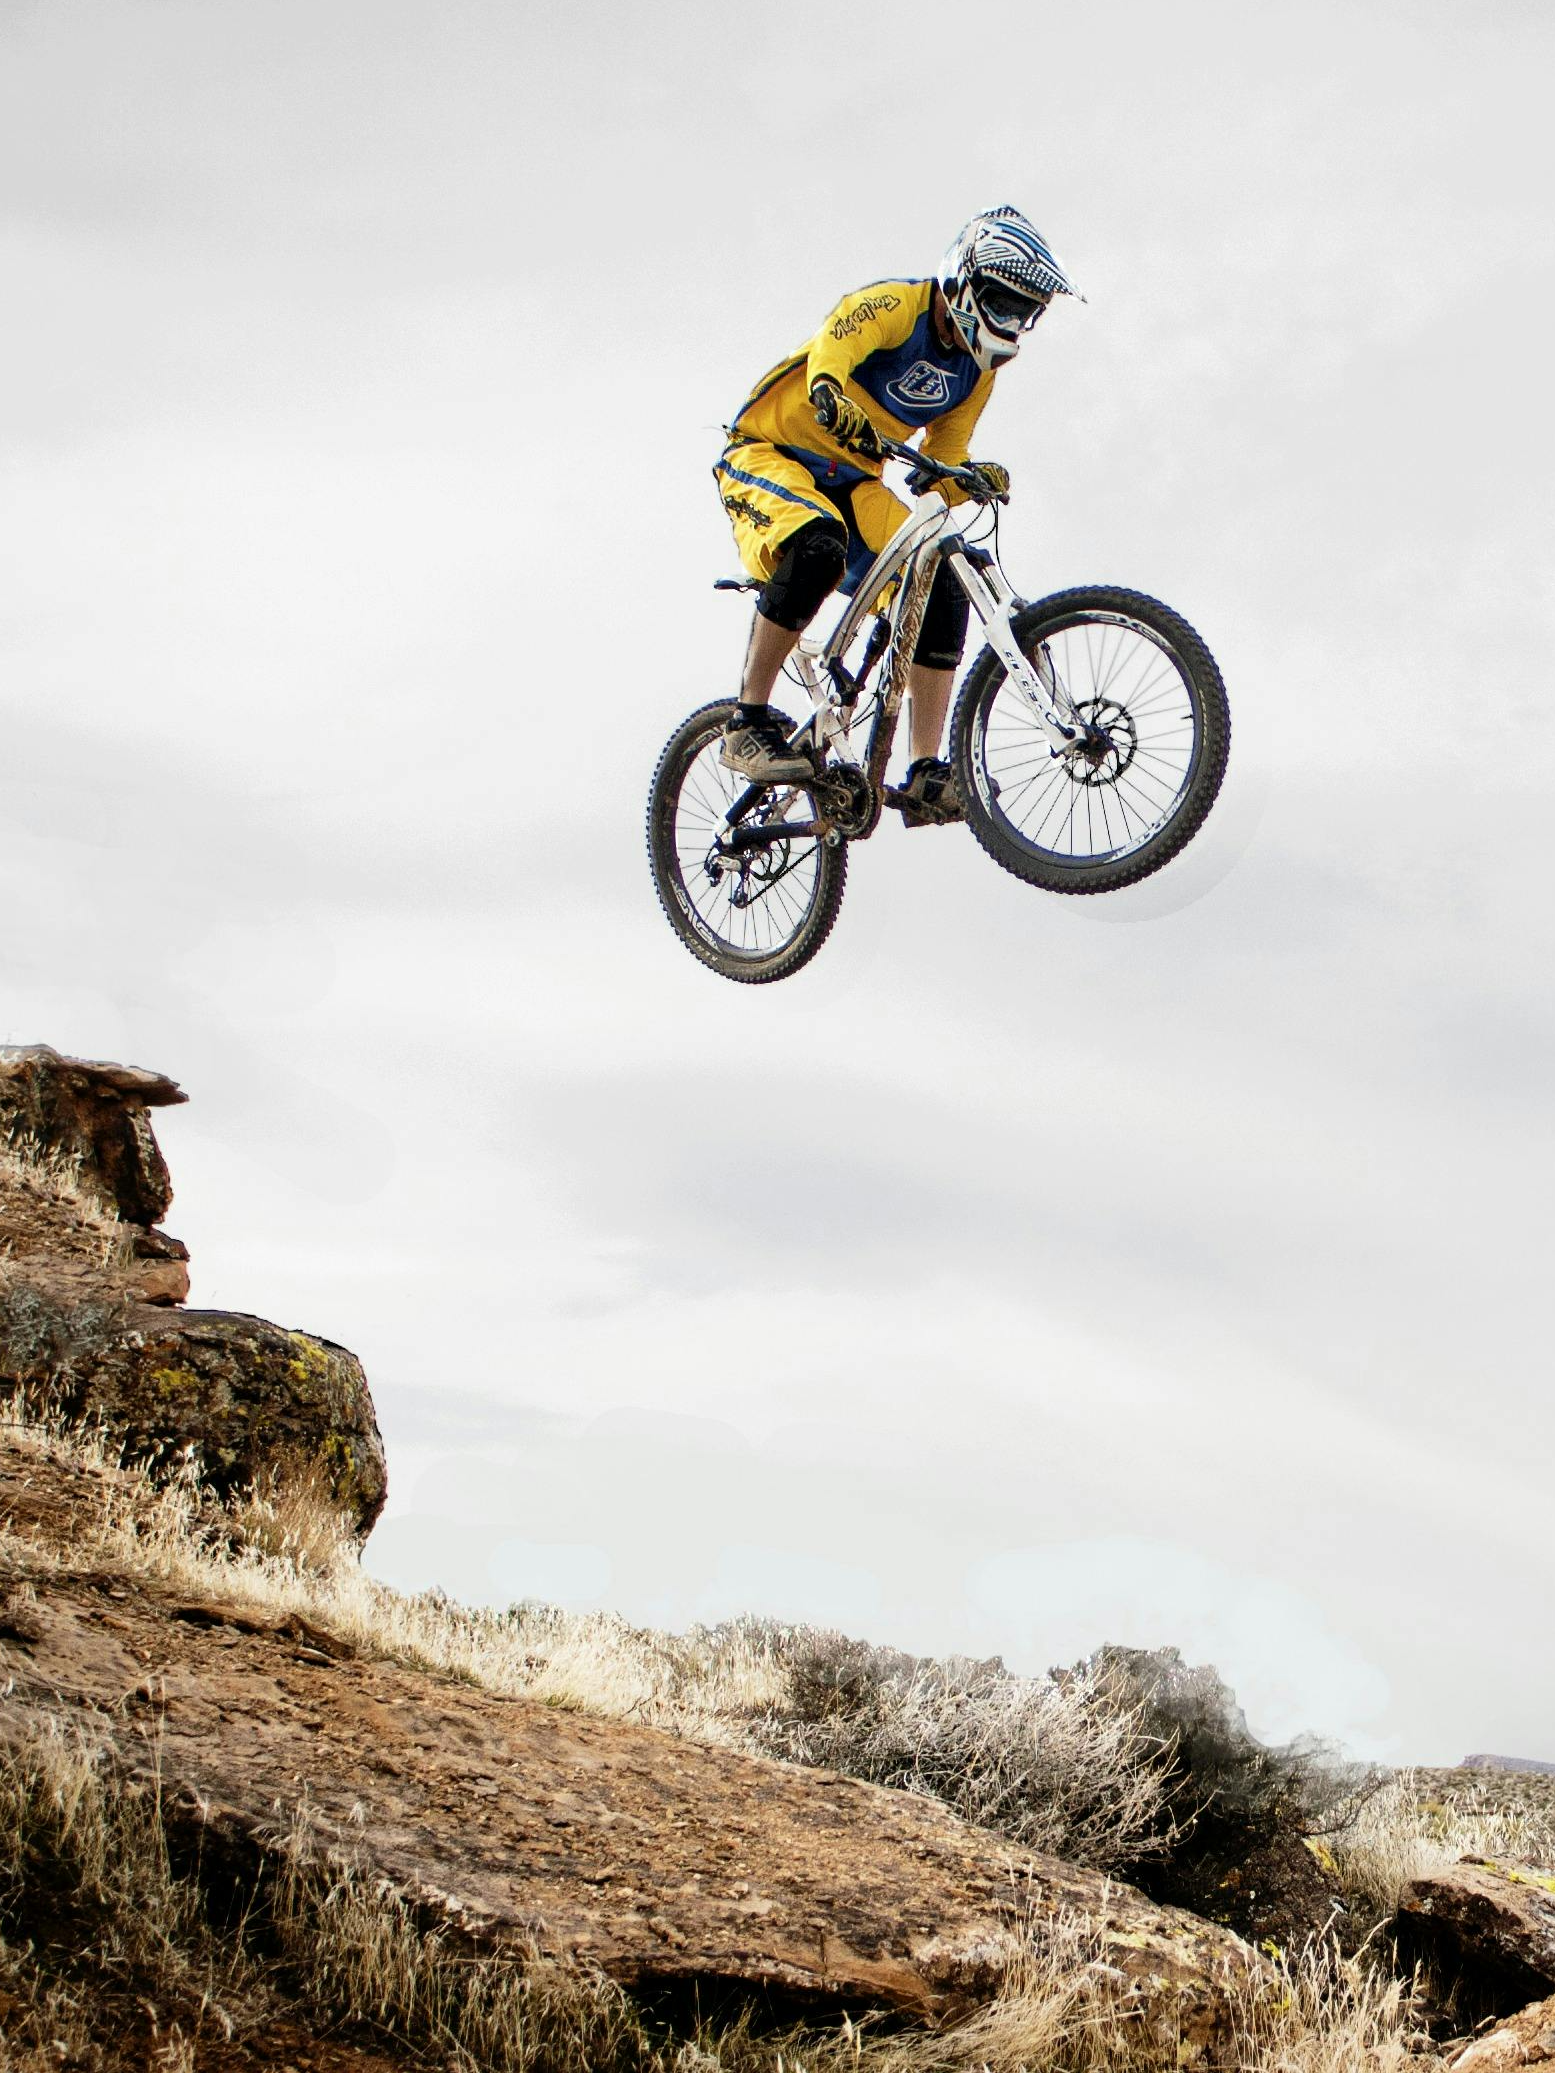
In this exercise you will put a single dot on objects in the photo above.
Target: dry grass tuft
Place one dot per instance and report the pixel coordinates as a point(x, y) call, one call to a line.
point(49, 1213)
point(1324, 2014)
point(356, 1948)
point(84, 1858)
point(293, 1519)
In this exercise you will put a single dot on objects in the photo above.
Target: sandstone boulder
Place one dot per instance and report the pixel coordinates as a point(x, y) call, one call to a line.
point(1527, 2039)
point(1490, 1927)
point(260, 1404)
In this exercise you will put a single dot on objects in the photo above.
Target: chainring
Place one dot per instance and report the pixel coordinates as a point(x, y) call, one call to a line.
point(849, 798)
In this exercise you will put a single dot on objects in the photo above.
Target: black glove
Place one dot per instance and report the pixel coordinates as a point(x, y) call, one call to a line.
point(847, 421)
point(994, 479)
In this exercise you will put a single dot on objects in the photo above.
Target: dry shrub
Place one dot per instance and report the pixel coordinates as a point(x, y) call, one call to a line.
point(1222, 1775)
point(1054, 1764)
point(49, 1337)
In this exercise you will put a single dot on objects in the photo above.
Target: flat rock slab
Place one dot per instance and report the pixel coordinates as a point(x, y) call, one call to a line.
point(1491, 1925)
point(1526, 2039)
point(663, 1862)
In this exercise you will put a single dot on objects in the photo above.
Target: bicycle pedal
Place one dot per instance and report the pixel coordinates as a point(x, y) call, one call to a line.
point(913, 812)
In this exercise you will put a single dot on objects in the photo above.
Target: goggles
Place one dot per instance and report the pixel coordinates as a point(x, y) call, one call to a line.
point(1007, 309)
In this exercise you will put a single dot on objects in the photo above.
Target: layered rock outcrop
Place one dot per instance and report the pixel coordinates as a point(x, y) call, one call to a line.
point(79, 1127)
point(92, 1293)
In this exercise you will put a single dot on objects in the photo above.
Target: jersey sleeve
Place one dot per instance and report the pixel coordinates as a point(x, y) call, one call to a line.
point(949, 438)
point(871, 321)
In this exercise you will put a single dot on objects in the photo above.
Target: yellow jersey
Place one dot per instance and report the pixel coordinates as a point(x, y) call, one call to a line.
point(880, 346)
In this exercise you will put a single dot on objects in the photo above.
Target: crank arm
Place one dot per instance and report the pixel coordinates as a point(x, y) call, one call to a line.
point(765, 834)
point(733, 837)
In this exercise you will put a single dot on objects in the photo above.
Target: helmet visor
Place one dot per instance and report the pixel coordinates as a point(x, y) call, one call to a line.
point(1008, 309)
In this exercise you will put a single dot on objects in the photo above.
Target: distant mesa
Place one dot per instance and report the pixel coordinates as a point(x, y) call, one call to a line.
point(1508, 1763)
point(92, 1290)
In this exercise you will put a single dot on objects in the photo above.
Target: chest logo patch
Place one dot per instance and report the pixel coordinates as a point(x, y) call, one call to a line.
point(921, 386)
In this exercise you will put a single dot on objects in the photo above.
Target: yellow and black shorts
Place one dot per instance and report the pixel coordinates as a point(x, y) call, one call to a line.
point(769, 495)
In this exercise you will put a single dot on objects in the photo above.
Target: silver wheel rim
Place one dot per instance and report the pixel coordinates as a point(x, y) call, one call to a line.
point(1126, 677)
point(780, 886)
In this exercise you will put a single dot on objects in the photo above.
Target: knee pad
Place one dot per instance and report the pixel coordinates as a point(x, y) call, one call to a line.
point(942, 635)
point(810, 568)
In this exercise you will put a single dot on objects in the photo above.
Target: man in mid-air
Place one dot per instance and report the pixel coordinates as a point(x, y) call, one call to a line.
point(801, 475)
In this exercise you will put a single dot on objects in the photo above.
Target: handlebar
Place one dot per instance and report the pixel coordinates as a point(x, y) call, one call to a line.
point(924, 470)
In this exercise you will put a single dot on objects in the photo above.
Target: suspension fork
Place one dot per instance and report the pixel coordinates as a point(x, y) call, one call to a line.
point(991, 598)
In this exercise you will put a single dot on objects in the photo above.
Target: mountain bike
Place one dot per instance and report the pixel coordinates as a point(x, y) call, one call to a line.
point(1089, 740)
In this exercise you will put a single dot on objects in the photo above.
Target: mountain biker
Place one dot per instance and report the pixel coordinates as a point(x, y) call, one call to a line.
point(801, 475)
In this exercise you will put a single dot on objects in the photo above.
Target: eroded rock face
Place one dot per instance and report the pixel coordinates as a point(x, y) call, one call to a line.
point(94, 1113)
point(1490, 1926)
point(671, 1866)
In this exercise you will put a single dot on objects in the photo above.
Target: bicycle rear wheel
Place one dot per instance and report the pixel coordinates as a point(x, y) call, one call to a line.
point(1161, 728)
point(754, 918)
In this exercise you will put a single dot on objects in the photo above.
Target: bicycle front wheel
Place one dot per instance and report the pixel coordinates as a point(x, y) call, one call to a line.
point(752, 918)
point(1160, 728)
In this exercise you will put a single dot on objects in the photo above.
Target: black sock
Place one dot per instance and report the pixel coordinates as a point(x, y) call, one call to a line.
point(748, 715)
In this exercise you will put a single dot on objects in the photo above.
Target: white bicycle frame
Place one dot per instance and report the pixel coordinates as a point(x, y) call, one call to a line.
point(991, 598)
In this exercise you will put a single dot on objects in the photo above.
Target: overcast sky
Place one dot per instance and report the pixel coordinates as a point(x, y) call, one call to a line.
point(1171, 1267)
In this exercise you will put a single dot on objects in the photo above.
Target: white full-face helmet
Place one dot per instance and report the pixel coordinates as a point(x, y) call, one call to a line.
point(998, 278)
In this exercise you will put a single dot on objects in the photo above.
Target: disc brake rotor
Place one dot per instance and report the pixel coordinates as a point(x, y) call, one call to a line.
point(1111, 744)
